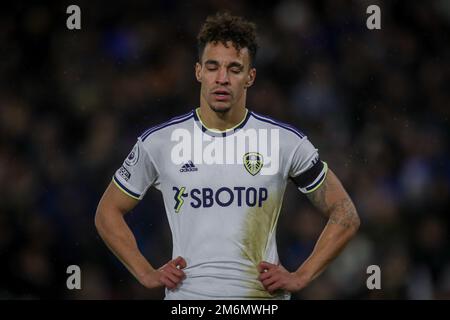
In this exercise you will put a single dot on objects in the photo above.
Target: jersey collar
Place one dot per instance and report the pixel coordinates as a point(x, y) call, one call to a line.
point(220, 133)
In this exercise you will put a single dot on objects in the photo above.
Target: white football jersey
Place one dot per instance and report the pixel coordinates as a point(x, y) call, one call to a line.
point(223, 192)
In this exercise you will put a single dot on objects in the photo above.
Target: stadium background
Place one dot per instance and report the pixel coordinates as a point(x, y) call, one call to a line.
point(374, 102)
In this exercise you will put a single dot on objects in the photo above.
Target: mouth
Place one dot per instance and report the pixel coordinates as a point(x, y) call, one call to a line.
point(221, 94)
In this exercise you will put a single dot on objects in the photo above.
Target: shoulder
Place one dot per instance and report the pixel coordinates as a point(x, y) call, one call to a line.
point(287, 131)
point(160, 130)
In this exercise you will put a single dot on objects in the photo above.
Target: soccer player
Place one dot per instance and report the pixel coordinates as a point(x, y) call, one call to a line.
point(222, 170)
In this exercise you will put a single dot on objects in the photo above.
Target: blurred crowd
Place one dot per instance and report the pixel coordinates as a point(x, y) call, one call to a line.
point(72, 103)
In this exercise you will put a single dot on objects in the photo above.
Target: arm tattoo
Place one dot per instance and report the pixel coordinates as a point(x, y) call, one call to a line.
point(318, 197)
point(343, 212)
point(340, 211)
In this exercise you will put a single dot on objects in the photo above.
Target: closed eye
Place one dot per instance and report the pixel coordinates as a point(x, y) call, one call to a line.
point(211, 65)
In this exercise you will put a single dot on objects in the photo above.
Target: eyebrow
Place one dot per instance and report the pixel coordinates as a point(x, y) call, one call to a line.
point(214, 62)
point(231, 65)
point(236, 64)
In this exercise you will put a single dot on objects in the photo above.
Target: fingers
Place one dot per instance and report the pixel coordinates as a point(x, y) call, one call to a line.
point(275, 286)
point(169, 279)
point(179, 261)
point(269, 281)
point(171, 269)
point(174, 270)
point(167, 282)
point(272, 283)
point(264, 265)
point(266, 275)
point(171, 273)
point(270, 275)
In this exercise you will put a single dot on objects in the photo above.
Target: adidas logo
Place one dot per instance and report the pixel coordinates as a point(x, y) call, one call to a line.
point(188, 167)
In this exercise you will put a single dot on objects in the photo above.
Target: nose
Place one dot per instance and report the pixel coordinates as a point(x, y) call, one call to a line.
point(222, 76)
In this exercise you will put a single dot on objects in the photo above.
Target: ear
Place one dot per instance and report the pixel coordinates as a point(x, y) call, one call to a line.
point(250, 78)
point(198, 69)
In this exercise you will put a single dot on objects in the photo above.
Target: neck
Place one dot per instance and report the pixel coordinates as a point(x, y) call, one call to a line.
point(221, 121)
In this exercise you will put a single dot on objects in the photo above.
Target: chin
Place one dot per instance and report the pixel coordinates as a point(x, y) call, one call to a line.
point(220, 108)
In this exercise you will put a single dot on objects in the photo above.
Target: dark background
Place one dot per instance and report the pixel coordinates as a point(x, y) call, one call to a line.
point(374, 102)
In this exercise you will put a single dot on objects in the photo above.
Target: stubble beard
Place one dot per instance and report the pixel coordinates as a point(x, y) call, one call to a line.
point(220, 110)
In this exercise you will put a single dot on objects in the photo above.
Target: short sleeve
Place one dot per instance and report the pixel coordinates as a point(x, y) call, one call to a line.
point(137, 173)
point(307, 170)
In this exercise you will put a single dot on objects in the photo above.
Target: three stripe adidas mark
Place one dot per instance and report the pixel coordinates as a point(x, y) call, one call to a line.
point(188, 167)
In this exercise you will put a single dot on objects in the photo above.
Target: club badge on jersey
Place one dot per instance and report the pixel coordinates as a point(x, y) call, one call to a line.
point(253, 162)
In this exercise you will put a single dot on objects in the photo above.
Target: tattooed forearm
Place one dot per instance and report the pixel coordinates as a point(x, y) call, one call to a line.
point(318, 197)
point(343, 213)
point(332, 200)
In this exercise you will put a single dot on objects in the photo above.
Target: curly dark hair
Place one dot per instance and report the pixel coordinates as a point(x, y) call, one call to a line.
point(224, 27)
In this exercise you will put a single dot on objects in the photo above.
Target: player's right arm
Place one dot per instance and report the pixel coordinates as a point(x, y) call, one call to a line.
point(112, 227)
point(129, 184)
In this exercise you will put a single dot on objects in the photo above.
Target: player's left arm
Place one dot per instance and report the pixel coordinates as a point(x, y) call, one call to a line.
point(343, 222)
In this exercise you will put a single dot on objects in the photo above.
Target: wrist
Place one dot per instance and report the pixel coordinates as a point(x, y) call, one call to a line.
point(303, 277)
point(148, 278)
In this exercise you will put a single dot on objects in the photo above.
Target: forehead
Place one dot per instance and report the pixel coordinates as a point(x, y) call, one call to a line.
point(225, 54)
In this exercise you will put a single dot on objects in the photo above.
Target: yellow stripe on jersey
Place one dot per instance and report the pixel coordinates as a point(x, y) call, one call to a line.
point(124, 191)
